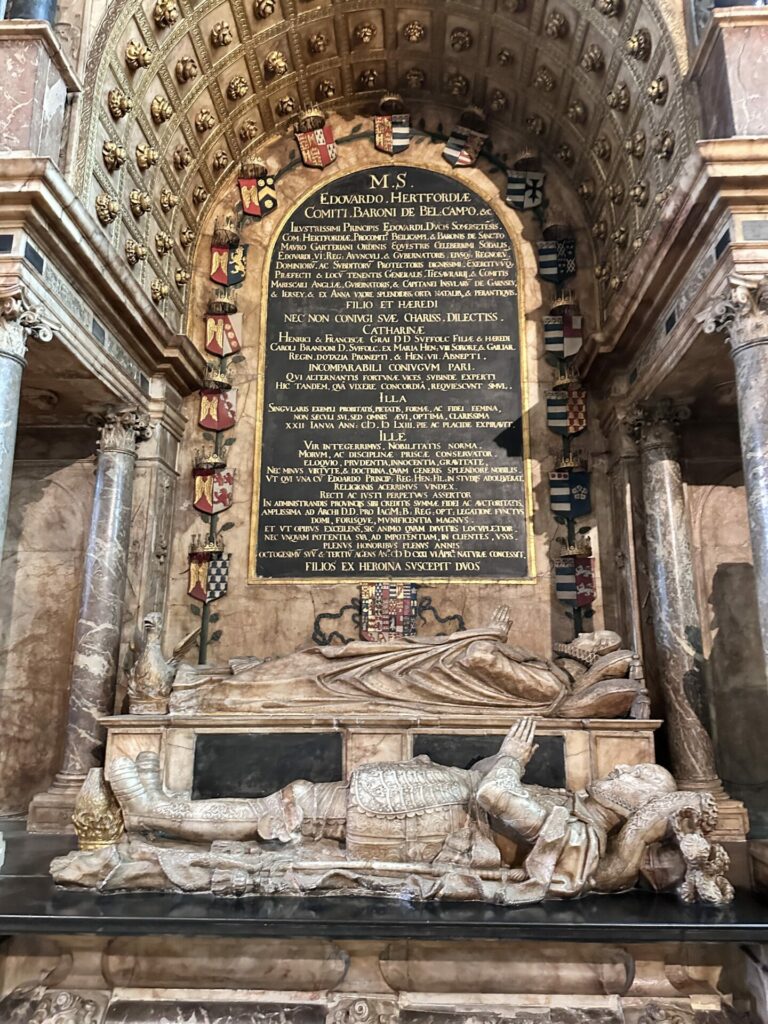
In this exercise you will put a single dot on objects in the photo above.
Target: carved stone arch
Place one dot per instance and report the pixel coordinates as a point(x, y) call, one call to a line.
point(540, 75)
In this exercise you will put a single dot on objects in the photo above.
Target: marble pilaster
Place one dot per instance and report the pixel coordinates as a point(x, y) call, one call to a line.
point(18, 322)
point(677, 627)
point(742, 315)
point(97, 633)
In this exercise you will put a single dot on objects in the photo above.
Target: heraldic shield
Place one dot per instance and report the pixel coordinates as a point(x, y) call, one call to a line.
point(525, 189)
point(223, 333)
point(392, 132)
point(463, 146)
point(213, 490)
point(575, 580)
point(208, 575)
point(258, 195)
point(387, 610)
point(557, 260)
point(317, 147)
point(228, 264)
point(218, 408)
point(562, 334)
point(569, 493)
point(567, 410)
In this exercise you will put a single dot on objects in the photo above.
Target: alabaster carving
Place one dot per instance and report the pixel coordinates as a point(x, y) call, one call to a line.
point(474, 668)
point(151, 675)
point(134, 251)
point(414, 830)
point(658, 90)
point(199, 195)
point(237, 88)
point(275, 64)
point(186, 69)
point(318, 43)
point(220, 160)
point(365, 33)
point(415, 78)
point(181, 277)
point(35, 1003)
point(556, 25)
point(182, 157)
point(461, 39)
point(163, 243)
point(158, 290)
point(544, 79)
point(457, 84)
point(414, 32)
point(186, 237)
point(165, 13)
point(368, 78)
point(618, 98)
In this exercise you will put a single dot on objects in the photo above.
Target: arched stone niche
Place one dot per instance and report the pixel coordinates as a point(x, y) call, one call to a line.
point(276, 618)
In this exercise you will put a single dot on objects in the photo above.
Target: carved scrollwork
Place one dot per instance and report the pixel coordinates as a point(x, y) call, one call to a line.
point(19, 321)
point(120, 430)
point(741, 313)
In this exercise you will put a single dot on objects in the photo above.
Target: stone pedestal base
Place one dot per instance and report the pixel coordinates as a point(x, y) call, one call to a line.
point(52, 811)
point(143, 979)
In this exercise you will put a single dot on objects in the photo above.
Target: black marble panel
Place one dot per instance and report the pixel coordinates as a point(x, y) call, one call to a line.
point(195, 1011)
point(256, 764)
point(546, 767)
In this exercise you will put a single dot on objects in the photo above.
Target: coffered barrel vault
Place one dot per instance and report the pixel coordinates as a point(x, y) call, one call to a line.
point(177, 93)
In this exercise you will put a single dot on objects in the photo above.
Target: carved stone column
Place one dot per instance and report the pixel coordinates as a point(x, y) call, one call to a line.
point(18, 322)
point(742, 315)
point(673, 596)
point(97, 633)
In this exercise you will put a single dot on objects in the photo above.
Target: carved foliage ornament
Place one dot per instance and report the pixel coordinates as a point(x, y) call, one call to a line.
point(221, 34)
point(118, 103)
point(658, 90)
point(220, 160)
point(504, 56)
point(19, 321)
point(593, 58)
point(158, 290)
point(415, 78)
point(318, 43)
point(122, 429)
point(107, 208)
point(237, 88)
point(618, 98)
point(113, 154)
point(458, 84)
point(635, 145)
point(275, 64)
point(186, 237)
point(639, 44)
point(140, 202)
point(325, 89)
point(137, 55)
point(286, 106)
point(263, 8)
point(248, 130)
point(498, 101)
point(160, 109)
point(134, 252)
point(577, 112)
point(165, 13)
point(365, 34)
point(205, 120)
point(163, 243)
point(146, 156)
point(186, 69)
point(414, 32)
point(368, 78)
point(741, 313)
point(544, 79)
point(556, 26)
point(664, 143)
point(461, 39)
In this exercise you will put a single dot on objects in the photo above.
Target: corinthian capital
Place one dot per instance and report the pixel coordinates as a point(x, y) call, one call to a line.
point(122, 429)
point(19, 321)
point(741, 313)
point(656, 425)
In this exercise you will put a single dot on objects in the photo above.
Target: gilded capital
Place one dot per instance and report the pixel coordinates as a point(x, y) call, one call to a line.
point(655, 426)
point(122, 429)
point(19, 321)
point(741, 313)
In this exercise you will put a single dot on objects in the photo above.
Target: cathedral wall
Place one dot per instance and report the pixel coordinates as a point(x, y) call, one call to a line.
point(731, 641)
point(41, 578)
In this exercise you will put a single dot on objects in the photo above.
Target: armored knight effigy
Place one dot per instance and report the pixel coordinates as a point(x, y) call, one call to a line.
point(409, 828)
point(413, 830)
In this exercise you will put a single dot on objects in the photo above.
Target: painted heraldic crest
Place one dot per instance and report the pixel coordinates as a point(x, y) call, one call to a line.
point(317, 147)
point(567, 410)
point(575, 580)
point(525, 189)
point(562, 334)
point(569, 493)
point(557, 260)
point(208, 575)
point(218, 408)
point(223, 333)
point(213, 490)
point(228, 264)
point(463, 147)
point(392, 132)
point(258, 195)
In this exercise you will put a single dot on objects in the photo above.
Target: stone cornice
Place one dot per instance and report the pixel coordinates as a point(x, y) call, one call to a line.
point(41, 31)
point(36, 200)
point(721, 19)
point(723, 176)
